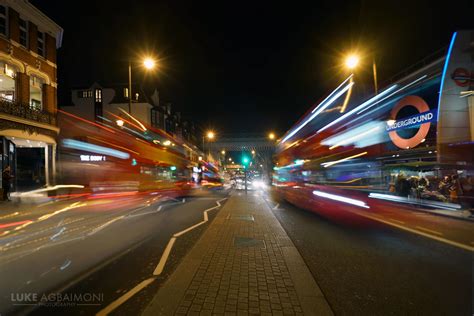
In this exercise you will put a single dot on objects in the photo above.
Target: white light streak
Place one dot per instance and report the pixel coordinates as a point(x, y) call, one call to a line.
point(341, 199)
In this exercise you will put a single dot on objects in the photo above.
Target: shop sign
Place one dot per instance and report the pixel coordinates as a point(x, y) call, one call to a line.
point(422, 120)
point(92, 158)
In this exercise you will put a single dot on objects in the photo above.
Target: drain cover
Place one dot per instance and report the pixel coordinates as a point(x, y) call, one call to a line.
point(243, 217)
point(240, 242)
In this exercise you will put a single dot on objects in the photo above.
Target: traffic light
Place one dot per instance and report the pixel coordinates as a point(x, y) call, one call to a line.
point(245, 161)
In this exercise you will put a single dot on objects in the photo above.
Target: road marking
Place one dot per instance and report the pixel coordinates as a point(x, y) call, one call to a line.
point(159, 208)
point(189, 229)
point(396, 220)
point(164, 257)
point(122, 299)
point(429, 230)
point(99, 228)
point(159, 268)
point(440, 239)
point(276, 206)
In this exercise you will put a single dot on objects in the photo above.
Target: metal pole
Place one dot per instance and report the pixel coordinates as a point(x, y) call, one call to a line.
point(129, 87)
point(245, 173)
point(374, 67)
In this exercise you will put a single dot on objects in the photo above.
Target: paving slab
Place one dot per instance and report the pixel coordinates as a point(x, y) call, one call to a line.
point(241, 266)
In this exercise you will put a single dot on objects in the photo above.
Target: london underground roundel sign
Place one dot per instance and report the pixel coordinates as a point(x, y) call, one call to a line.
point(422, 120)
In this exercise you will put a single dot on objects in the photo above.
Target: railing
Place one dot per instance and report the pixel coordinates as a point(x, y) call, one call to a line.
point(26, 112)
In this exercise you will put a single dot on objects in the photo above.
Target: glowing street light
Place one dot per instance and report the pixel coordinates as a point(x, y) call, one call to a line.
point(210, 135)
point(149, 63)
point(271, 136)
point(352, 61)
point(119, 122)
point(223, 152)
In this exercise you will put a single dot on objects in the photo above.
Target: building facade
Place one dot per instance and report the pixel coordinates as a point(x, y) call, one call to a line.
point(28, 93)
point(98, 102)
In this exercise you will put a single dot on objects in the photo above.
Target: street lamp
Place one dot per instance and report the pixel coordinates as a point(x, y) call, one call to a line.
point(210, 135)
point(148, 63)
point(352, 61)
point(271, 136)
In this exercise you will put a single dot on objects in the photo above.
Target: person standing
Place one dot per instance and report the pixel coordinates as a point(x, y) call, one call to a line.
point(6, 179)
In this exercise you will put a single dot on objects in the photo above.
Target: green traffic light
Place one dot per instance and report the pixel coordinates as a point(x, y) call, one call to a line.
point(245, 160)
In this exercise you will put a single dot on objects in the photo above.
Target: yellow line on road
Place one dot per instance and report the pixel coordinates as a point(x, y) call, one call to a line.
point(415, 231)
point(430, 231)
point(396, 220)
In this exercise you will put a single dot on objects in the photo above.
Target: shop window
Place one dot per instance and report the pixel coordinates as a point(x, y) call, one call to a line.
point(23, 33)
point(3, 20)
point(7, 81)
point(125, 92)
point(40, 43)
point(36, 93)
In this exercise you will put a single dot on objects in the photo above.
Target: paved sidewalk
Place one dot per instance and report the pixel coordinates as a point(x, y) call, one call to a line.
point(244, 264)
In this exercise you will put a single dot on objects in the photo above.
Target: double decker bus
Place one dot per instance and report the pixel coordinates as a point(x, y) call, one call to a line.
point(411, 144)
point(107, 158)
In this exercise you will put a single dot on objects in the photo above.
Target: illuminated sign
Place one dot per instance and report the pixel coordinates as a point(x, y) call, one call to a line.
point(411, 121)
point(462, 77)
point(92, 158)
point(423, 120)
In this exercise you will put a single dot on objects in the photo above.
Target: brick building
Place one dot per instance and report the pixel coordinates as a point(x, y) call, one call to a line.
point(28, 97)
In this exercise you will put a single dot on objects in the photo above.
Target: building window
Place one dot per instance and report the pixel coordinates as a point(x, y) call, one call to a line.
point(84, 94)
point(23, 33)
point(7, 81)
point(36, 93)
point(40, 43)
point(125, 92)
point(3, 20)
point(98, 95)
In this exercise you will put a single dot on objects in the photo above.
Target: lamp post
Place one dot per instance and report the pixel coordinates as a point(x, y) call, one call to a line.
point(210, 136)
point(148, 63)
point(352, 61)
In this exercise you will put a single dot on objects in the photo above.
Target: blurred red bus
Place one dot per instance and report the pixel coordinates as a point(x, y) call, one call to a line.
point(410, 144)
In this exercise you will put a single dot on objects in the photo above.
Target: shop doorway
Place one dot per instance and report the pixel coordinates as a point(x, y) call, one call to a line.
point(30, 170)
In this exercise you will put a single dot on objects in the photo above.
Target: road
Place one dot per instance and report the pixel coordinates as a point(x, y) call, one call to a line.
point(102, 247)
point(365, 266)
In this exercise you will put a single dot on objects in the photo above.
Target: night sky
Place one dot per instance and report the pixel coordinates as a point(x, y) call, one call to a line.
point(239, 66)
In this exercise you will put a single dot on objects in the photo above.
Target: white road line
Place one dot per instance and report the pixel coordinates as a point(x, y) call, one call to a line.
point(112, 306)
point(429, 230)
point(159, 268)
point(159, 208)
point(396, 220)
point(276, 206)
point(189, 229)
point(164, 257)
point(99, 228)
point(440, 239)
